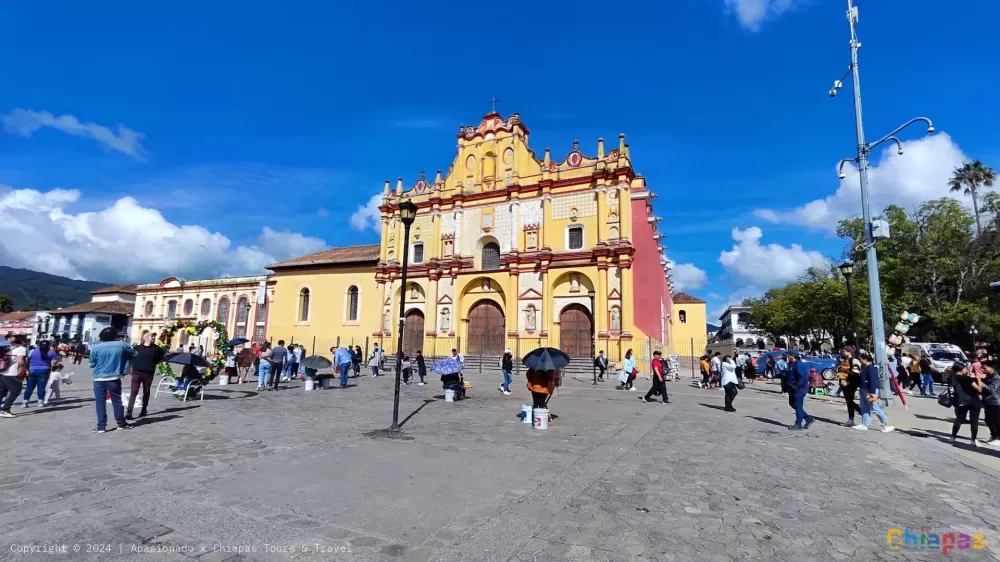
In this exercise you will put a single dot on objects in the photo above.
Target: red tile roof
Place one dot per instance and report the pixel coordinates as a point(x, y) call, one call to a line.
point(334, 256)
point(111, 307)
point(685, 298)
point(16, 316)
point(115, 289)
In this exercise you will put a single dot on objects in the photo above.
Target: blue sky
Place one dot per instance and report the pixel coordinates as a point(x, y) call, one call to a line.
point(212, 137)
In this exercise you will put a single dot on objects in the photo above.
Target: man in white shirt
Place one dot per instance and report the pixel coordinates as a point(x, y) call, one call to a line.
point(16, 361)
point(716, 367)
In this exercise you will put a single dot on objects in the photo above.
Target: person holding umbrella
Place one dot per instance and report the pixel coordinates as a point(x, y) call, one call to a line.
point(544, 365)
point(451, 379)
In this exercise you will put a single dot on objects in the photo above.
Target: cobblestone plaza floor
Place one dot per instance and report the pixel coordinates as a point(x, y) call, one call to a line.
point(294, 476)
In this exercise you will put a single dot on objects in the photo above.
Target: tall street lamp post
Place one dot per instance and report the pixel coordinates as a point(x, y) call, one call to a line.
point(847, 269)
point(864, 149)
point(593, 335)
point(973, 333)
point(407, 212)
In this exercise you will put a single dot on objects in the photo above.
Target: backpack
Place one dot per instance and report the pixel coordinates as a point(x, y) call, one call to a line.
point(4, 359)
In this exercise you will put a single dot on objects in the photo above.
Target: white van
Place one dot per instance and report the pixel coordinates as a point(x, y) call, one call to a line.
point(942, 355)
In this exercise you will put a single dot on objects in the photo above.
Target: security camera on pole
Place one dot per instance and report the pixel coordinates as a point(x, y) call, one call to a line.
point(877, 229)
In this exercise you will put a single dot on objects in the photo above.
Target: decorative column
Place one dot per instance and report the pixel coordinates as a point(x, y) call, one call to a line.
point(515, 224)
point(385, 239)
point(431, 304)
point(543, 229)
point(602, 214)
point(600, 311)
point(546, 297)
point(513, 303)
point(628, 299)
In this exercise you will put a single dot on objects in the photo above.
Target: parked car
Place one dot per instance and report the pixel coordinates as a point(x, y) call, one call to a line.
point(942, 355)
point(825, 367)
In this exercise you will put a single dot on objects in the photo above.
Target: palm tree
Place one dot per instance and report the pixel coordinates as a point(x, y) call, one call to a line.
point(969, 178)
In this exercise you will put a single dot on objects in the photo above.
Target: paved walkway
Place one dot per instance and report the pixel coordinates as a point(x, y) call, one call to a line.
point(294, 476)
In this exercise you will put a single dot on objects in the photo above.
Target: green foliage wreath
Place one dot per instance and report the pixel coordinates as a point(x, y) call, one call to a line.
point(216, 365)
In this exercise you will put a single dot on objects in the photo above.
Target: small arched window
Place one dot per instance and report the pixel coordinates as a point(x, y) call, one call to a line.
point(352, 303)
point(188, 307)
point(304, 305)
point(149, 308)
point(222, 315)
point(206, 307)
point(171, 309)
point(242, 310)
point(682, 316)
point(491, 256)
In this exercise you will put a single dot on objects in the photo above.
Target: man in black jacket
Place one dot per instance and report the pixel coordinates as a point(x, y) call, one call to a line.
point(148, 356)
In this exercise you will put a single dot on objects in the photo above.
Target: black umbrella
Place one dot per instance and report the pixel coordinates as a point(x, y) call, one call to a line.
point(186, 359)
point(238, 341)
point(316, 362)
point(545, 359)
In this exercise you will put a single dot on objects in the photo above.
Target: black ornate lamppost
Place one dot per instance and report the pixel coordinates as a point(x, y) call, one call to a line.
point(407, 212)
point(847, 269)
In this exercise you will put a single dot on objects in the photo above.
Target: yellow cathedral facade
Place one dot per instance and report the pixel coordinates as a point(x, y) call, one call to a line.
point(508, 249)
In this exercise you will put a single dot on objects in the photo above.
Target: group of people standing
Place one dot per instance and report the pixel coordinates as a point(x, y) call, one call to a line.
point(36, 370)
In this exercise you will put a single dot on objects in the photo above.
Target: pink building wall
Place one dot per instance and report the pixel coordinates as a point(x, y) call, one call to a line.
point(652, 301)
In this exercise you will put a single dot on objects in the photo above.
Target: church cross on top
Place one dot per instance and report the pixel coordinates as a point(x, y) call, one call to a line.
point(494, 102)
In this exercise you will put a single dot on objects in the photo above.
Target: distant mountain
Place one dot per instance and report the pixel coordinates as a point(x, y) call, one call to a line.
point(712, 328)
point(41, 291)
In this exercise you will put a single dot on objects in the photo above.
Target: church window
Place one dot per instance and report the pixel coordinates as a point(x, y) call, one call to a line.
point(304, 305)
point(682, 316)
point(206, 307)
point(149, 308)
point(574, 238)
point(352, 303)
point(418, 252)
point(491, 256)
point(171, 309)
point(188, 307)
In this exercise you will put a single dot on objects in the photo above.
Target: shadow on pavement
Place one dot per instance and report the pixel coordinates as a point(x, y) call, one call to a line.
point(768, 421)
point(245, 393)
point(175, 409)
point(150, 420)
point(713, 406)
point(415, 412)
point(44, 409)
point(935, 418)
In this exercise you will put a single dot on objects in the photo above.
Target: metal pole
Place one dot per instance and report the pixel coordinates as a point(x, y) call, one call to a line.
point(402, 320)
point(854, 320)
point(871, 257)
point(593, 340)
point(693, 375)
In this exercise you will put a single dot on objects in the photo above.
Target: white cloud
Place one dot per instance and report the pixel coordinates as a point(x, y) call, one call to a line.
point(687, 276)
point(750, 266)
point(921, 173)
point(25, 122)
point(126, 242)
point(367, 215)
point(752, 13)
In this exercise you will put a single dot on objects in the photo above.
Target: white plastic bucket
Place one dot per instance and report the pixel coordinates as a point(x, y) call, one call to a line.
point(224, 379)
point(328, 382)
point(525, 413)
point(449, 395)
point(310, 385)
point(541, 418)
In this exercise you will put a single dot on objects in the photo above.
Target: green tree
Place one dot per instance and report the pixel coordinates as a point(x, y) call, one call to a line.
point(970, 178)
point(6, 305)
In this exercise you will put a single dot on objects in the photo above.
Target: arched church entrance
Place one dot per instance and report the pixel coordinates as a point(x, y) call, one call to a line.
point(487, 329)
point(413, 333)
point(576, 334)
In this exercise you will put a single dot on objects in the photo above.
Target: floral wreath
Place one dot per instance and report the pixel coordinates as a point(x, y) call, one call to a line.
point(221, 345)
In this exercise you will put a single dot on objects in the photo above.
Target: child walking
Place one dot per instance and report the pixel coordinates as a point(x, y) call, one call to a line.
point(52, 386)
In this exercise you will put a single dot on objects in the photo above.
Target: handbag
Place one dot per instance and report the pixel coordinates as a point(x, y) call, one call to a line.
point(944, 399)
point(740, 385)
point(622, 377)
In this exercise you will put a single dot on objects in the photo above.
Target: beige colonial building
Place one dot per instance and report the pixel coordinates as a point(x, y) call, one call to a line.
point(239, 303)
